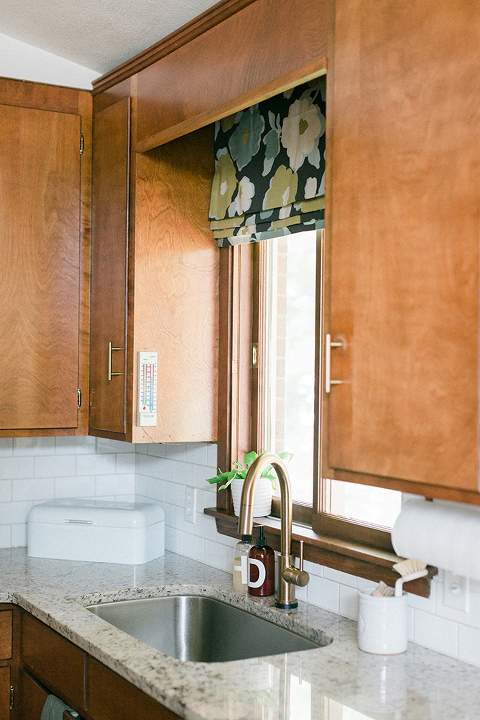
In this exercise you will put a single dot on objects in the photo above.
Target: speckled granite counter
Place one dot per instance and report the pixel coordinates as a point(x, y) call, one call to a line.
point(336, 682)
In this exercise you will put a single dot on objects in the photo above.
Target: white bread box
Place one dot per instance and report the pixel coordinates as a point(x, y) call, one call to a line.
point(130, 533)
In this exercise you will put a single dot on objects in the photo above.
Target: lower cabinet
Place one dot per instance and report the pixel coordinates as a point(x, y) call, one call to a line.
point(51, 664)
point(4, 693)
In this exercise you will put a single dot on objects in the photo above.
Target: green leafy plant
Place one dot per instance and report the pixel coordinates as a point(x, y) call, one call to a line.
point(239, 471)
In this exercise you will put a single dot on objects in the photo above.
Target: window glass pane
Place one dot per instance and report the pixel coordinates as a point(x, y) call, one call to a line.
point(290, 355)
point(363, 503)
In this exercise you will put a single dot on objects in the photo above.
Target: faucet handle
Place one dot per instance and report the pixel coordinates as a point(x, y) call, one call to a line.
point(297, 576)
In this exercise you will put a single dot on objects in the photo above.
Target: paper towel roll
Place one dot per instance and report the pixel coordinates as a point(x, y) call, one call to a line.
point(440, 533)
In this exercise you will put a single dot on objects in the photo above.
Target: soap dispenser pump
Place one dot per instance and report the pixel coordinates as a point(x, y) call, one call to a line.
point(240, 564)
point(261, 568)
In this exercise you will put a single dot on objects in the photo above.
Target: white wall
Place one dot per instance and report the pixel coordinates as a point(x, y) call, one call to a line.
point(34, 470)
point(25, 62)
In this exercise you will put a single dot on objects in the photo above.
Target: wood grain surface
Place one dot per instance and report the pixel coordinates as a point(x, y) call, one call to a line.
point(222, 70)
point(113, 698)
point(39, 257)
point(54, 661)
point(5, 634)
point(404, 227)
point(175, 306)
point(109, 265)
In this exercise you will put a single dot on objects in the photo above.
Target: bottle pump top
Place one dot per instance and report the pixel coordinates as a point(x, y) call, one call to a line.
point(246, 538)
point(262, 540)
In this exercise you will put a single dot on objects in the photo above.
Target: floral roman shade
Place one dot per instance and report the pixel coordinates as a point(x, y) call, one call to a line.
point(270, 167)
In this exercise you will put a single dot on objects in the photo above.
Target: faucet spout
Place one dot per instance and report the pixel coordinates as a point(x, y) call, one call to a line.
point(288, 574)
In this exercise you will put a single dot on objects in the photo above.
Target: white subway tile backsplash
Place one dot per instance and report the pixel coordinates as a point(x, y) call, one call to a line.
point(6, 447)
point(174, 540)
point(16, 467)
point(157, 449)
point(193, 547)
point(184, 473)
point(324, 593)
point(175, 494)
point(125, 463)
point(33, 489)
point(104, 445)
point(75, 487)
point(34, 446)
point(5, 536)
point(196, 453)
point(115, 485)
point(55, 466)
point(216, 555)
point(173, 451)
point(348, 602)
point(18, 511)
point(212, 455)
point(340, 577)
point(165, 469)
point(74, 445)
point(94, 465)
point(5, 491)
point(436, 633)
point(19, 535)
point(146, 465)
point(469, 644)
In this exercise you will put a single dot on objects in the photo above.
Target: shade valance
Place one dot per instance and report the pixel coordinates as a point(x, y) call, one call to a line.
point(270, 167)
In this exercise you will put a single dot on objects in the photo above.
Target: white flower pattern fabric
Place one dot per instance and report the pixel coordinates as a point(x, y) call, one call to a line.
point(270, 167)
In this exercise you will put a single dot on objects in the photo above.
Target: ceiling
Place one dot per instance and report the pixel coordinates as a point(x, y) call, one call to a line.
point(98, 34)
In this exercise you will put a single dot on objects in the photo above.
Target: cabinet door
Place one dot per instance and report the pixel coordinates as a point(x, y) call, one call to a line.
point(4, 693)
point(404, 234)
point(32, 697)
point(39, 257)
point(109, 267)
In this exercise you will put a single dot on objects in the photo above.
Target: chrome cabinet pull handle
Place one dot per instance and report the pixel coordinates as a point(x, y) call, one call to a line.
point(328, 351)
point(110, 350)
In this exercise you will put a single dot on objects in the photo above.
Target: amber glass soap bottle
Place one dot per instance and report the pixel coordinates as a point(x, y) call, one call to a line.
point(261, 582)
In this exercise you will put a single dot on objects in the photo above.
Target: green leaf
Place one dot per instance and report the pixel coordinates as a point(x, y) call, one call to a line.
point(249, 458)
point(218, 478)
point(229, 477)
point(287, 456)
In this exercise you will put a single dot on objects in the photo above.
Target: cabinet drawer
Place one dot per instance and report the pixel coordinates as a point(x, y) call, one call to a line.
point(111, 697)
point(55, 661)
point(5, 634)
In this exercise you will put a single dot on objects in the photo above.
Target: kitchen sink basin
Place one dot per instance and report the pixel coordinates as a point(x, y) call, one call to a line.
point(202, 629)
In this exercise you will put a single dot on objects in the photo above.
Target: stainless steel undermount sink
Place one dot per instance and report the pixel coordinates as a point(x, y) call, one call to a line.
point(202, 629)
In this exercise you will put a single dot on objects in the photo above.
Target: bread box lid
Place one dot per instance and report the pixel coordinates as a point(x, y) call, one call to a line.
point(100, 513)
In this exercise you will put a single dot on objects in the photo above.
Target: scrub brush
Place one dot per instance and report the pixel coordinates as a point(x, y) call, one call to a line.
point(409, 570)
point(382, 590)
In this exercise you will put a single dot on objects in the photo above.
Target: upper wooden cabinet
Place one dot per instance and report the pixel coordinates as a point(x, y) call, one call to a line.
point(44, 244)
point(154, 281)
point(259, 51)
point(403, 231)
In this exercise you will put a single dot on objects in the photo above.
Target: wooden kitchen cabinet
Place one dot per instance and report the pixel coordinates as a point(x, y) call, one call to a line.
point(403, 239)
point(51, 664)
point(154, 280)
point(44, 191)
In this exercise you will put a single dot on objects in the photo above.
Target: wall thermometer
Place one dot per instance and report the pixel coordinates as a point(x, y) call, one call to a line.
point(147, 389)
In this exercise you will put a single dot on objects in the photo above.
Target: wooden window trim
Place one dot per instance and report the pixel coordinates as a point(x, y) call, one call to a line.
point(345, 545)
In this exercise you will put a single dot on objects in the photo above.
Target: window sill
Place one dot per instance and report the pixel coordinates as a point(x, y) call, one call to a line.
point(347, 556)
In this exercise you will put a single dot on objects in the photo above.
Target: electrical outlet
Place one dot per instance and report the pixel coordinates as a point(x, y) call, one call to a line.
point(190, 504)
point(456, 593)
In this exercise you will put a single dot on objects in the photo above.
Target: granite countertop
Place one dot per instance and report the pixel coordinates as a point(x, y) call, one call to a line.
point(335, 682)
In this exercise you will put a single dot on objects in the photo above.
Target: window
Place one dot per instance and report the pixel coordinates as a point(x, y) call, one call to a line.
point(289, 297)
point(276, 323)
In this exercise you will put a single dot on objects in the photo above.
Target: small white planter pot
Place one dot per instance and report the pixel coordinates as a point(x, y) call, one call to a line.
point(262, 504)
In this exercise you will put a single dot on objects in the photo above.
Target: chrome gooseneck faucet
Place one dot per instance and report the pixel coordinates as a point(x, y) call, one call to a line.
point(288, 574)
